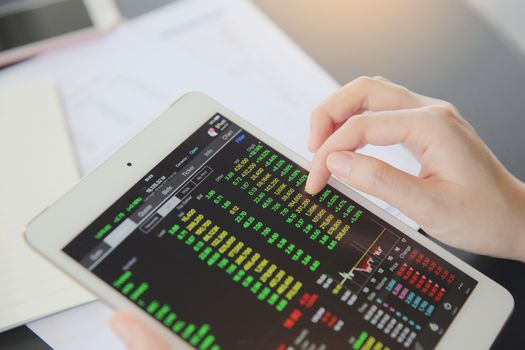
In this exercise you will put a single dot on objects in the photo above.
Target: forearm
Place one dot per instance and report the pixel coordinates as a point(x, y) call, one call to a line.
point(518, 224)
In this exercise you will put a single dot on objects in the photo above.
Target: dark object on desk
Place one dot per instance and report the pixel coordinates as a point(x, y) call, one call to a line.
point(440, 48)
point(28, 27)
point(134, 8)
point(22, 338)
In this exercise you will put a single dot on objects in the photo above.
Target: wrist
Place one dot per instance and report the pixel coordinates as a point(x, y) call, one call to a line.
point(519, 225)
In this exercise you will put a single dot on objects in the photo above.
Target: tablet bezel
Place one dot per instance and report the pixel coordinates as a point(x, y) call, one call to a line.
point(49, 232)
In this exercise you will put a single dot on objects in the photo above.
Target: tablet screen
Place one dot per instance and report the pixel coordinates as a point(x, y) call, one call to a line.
point(220, 243)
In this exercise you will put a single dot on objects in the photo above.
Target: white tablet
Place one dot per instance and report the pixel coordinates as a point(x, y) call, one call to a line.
point(30, 26)
point(201, 225)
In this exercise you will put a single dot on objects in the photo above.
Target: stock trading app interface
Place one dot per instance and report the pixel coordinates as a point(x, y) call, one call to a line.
point(220, 244)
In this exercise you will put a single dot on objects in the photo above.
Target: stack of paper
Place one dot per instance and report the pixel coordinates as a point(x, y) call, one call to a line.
point(38, 165)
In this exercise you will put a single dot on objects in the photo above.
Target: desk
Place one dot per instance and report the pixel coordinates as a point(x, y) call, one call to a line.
point(436, 47)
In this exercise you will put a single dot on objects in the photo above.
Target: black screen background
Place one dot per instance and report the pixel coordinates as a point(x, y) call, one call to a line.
point(201, 294)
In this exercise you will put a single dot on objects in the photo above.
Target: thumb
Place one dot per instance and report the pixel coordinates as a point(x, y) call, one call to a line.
point(370, 175)
point(135, 333)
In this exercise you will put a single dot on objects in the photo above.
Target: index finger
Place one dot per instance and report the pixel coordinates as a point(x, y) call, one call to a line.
point(361, 94)
point(379, 128)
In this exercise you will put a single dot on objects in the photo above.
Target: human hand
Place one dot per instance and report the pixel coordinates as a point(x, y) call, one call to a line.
point(135, 333)
point(463, 195)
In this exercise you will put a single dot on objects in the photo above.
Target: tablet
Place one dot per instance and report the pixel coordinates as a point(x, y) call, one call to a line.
point(201, 225)
point(30, 26)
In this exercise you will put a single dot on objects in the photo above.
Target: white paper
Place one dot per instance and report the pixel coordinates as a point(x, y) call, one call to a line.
point(83, 327)
point(114, 87)
point(37, 167)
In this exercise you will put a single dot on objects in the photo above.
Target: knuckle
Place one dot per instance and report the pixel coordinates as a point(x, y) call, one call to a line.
point(355, 128)
point(355, 124)
point(356, 120)
point(364, 81)
point(404, 91)
point(438, 116)
point(445, 114)
point(381, 78)
point(445, 110)
point(450, 108)
point(452, 114)
point(317, 112)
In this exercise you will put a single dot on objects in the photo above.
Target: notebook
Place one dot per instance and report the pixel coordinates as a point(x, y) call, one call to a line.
point(37, 166)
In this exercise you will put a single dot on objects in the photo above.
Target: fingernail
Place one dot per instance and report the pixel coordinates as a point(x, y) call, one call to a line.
point(123, 329)
point(340, 164)
point(311, 186)
point(307, 185)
